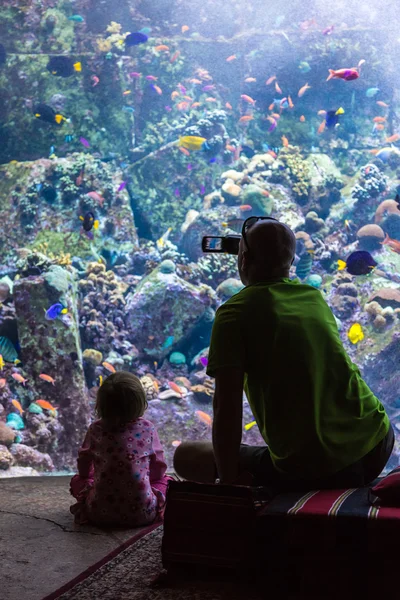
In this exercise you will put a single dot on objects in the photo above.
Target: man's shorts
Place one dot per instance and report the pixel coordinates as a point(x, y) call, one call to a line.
point(257, 461)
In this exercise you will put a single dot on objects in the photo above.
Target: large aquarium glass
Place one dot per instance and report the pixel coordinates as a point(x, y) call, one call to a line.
point(130, 129)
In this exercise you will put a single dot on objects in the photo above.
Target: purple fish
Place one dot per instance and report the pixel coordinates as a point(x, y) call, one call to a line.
point(168, 108)
point(181, 88)
point(177, 192)
point(189, 167)
point(208, 88)
point(122, 186)
point(204, 361)
point(84, 142)
point(272, 127)
point(202, 189)
point(135, 74)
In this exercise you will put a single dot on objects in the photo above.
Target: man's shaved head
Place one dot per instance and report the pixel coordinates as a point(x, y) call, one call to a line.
point(270, 252)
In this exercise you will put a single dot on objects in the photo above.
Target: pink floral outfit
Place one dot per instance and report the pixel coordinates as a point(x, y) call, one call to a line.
point(121, 475)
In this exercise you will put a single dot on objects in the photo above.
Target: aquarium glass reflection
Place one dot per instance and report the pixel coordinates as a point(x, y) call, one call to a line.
point(128, 131)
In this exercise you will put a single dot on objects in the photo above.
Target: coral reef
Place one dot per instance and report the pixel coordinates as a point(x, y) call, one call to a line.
point(370, 237)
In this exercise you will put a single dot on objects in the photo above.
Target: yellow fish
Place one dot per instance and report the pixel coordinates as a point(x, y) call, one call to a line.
point(250, 425)
point(2, 363)
point(161, 241)
point(100, 380)
point(191, 142)
point(58, 118)
point(78, 67)
point(355, 333)
point(341, 265)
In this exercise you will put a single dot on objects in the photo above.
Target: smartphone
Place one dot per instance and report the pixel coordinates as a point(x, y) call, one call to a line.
point(228, 244)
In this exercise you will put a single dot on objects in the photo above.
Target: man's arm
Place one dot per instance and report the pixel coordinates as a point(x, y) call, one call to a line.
point(227, 424)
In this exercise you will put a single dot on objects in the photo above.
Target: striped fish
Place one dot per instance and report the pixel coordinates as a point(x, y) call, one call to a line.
point(7, 350)
point(304, 265)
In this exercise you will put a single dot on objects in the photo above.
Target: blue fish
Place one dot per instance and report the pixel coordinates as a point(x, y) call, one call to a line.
point(134, 39)
point(145, 30)
point(68, 138)
point(128, 109)
point(76, 19)
point(39, 187)
point(55, 311)
point(168, 342)
point(371, 92)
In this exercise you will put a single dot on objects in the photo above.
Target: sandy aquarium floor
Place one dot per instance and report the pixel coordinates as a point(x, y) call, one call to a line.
point(40, 547)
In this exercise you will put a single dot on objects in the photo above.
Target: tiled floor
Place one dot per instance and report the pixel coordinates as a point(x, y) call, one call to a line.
point(40, 547)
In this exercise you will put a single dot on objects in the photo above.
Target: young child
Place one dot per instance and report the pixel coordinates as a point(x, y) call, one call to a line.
point(121, 468)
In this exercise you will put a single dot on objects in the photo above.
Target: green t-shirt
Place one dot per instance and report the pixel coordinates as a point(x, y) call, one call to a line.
point(312, 407)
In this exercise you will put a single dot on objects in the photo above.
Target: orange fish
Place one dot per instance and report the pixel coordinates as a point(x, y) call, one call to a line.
point(231, 58)
point(2, 383)
point(175, 95)
point(188, 98)
point(47, 378)
point(195, 81)
point(285, 141)
point(175, 387)
point(175, 56)
point(211, 99)
point(277, 88)
point(156, 386)
point(393, 244)
point(291, 105)
point(79, 179)
point(276, 116)
point(245, 118)
point(18, 406)
point(196, 105)
point(303, 90)
point(270, 80)
point(302, 118)
point(109, 367)
point(184, 151)
point(250, 80)
point(185, 28)
point(162, 48)
point(383, 104)
point(203, 416)
point(379, 119)
point(379, 127)
point(264, 192)
point(245, 207)
point(393, 138)
point(157, 89)
point(321, 113)
point(44, 404)
point(182, 105)
point(247, 98)
point(19, 378)
point(321, 128)
point(271, 106)
point(126, 93)
point(228, 106)
point(176, 443)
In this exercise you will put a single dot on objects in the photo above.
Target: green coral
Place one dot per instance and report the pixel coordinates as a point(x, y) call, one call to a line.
point(262, 205)
point(58, 242)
